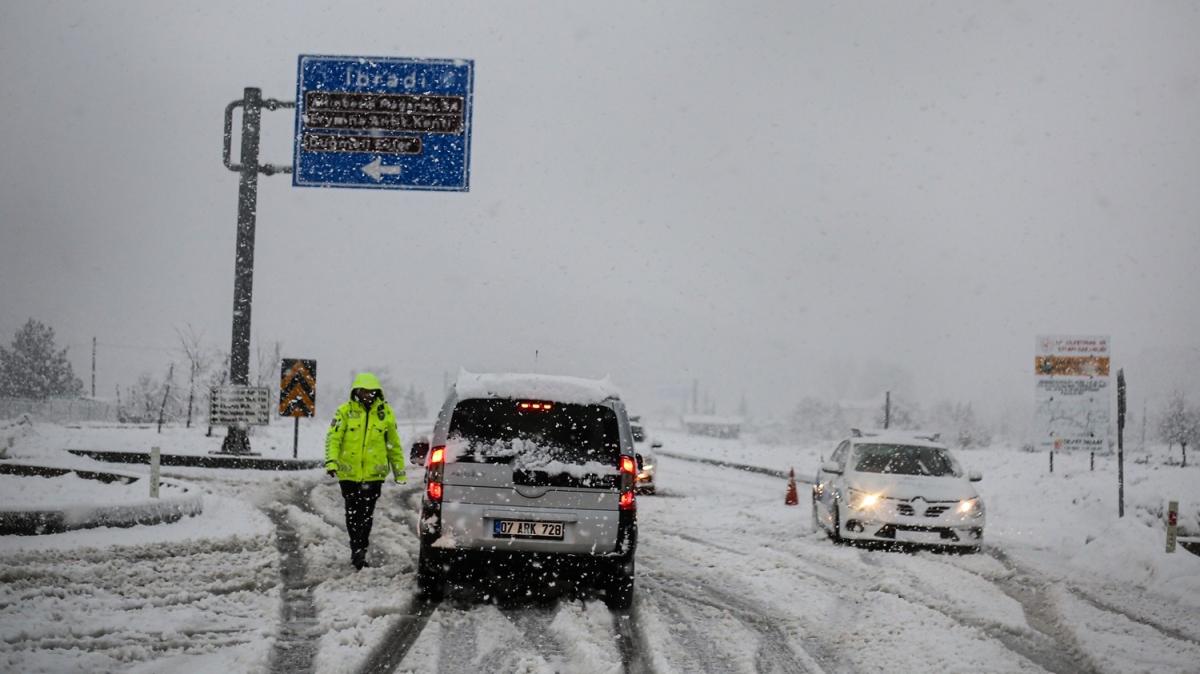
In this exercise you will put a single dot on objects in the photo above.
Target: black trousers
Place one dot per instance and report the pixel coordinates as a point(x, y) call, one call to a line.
point(360, 500)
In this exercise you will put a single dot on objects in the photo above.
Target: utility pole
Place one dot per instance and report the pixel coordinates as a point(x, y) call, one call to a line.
point(252, 103)
point(93, 367)
point(1121, 442)
point(887, 409)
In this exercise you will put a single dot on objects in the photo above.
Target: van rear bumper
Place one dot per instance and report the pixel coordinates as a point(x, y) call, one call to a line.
point(468, 526)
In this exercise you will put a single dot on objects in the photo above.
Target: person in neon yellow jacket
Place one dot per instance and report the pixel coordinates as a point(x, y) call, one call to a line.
point(361, 448)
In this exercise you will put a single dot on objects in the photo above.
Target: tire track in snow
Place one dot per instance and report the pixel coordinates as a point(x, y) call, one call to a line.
point(698, 653)
point(1021, 580)
point(295, 648)
point(773, 653)
point(1046, 644)
point(631, 640)
point(1133, 617)
point(534, 624)
point(400, 637)
point(458, 647)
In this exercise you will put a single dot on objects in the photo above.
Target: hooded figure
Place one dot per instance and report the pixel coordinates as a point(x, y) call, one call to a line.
point(361, 447)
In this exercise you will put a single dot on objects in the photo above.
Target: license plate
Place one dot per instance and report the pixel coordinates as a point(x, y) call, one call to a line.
point(526, 529)
point(918, 536)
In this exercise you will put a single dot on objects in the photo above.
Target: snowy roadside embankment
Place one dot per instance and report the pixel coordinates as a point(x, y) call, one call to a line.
point(200, 594)
point(37, 499)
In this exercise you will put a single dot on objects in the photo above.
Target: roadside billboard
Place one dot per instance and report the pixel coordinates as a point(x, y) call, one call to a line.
point(1072, 392)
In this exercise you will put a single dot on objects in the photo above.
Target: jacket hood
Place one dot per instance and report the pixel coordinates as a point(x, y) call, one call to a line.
point(368, 381)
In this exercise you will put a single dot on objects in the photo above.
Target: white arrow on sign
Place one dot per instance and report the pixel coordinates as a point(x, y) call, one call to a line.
point(377, 170)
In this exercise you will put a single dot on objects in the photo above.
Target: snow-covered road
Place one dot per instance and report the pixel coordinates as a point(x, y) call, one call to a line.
point(729, 580)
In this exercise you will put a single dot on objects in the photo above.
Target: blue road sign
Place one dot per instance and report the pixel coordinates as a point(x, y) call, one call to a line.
point(380, 122)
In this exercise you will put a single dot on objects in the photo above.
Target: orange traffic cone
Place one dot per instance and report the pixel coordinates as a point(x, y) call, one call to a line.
point(792, 497)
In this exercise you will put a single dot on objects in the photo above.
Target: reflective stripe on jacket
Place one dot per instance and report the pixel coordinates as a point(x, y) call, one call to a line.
point(361, 445)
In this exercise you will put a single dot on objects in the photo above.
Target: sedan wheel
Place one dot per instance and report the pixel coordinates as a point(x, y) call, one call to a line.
point(836, 515)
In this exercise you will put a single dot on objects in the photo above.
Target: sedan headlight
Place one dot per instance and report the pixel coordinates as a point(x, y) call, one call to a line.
point(861, 500)
point(971, 506)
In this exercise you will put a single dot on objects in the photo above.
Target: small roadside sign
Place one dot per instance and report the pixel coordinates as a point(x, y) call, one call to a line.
point(233, 404)
point(298, 388)
point(383, 122)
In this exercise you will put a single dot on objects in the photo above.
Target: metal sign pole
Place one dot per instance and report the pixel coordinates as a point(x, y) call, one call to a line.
point(252, 103)
point(236, 441)
point(1121, 442)
point(296, 439)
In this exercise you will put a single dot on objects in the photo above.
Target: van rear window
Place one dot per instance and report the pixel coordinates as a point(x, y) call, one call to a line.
point(498, 430)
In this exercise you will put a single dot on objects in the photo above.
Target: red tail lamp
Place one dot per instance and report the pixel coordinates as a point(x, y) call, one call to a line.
point(628, 473)
point(434, 472)
point(434, 489)
point(627, 501)
point(628, 465)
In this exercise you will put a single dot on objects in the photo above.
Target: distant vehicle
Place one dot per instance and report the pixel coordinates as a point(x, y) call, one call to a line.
point(647, 462)
point(530, 468)
point(897, 488)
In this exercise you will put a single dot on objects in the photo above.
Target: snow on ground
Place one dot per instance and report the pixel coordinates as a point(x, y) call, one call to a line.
point(200, 594)
point(65, 491)
point(729, 578)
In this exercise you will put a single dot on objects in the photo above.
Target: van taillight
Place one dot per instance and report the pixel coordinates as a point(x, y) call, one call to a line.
point(434, 473)
point(628, 475)
point(627, 501)
point(628, 465)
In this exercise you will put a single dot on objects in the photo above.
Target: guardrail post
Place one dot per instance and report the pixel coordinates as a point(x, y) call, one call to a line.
point(1172, 524)
point(155, 459)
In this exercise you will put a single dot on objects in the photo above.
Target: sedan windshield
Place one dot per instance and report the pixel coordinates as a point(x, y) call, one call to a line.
point(904, 460)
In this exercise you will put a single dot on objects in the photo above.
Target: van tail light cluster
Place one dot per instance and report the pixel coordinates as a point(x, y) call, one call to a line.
point(628, 477)
point(435, 471)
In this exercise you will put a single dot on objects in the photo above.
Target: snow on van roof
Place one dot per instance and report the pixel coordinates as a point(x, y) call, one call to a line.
point(554, 388)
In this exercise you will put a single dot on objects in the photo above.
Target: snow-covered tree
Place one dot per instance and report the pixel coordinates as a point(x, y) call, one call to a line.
point(905, 414)
point(411, 404)
point(33, 367)
point(959, 425)
point(267, 360)
point(198, 360)
point(814, 418)
point(1179, 424)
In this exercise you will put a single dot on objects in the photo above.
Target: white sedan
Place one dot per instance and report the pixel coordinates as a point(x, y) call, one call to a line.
point(896, 488)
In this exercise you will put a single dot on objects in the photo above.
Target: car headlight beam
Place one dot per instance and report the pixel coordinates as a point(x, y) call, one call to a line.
point(970, 506)
point(861, 500)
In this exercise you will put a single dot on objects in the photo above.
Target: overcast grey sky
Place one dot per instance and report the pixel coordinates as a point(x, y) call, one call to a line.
point(765, 196)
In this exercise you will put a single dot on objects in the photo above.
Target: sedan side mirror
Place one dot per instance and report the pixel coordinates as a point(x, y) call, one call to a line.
point(831, 467)
point(974, 476)
point(641, 462)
